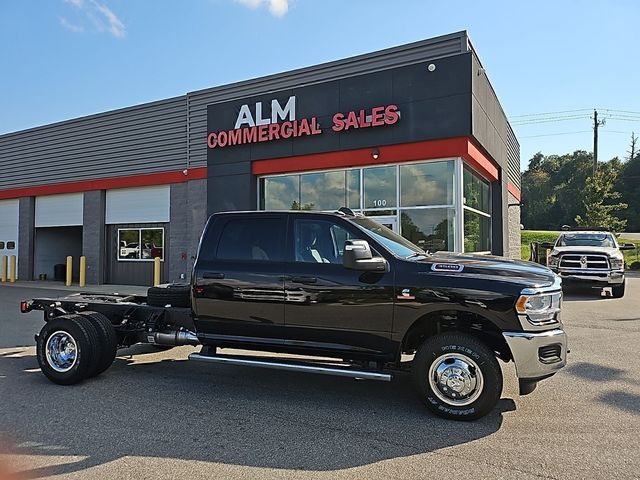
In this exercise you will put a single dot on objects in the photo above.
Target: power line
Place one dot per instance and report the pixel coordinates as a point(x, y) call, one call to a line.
point(556, 134)
point(551, 113)
point(549, 120)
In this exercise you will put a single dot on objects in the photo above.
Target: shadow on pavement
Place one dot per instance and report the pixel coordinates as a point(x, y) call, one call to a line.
point(594, 372)
point(629, 402)
point(213, 413)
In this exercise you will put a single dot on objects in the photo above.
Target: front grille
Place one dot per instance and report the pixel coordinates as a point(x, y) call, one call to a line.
point(572, 260)
point(550, 353)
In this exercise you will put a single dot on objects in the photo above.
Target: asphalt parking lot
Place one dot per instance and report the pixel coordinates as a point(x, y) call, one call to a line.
point(155, 415)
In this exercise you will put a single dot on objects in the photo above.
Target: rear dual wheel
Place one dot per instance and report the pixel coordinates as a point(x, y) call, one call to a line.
point(71, 348)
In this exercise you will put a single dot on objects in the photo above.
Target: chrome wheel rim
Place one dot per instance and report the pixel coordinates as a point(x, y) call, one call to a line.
point(456, 379)
point(61, 351)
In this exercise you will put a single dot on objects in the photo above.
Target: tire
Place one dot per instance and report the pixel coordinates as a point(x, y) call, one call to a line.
point(618, 291)
point(107, 338)
point(481, 380)
point(73, 329)
point(176, 295)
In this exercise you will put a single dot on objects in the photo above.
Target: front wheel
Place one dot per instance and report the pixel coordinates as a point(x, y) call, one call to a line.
point(457, 376)
point(618, 290)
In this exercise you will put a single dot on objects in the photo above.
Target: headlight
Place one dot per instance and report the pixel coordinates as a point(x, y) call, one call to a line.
point(540, 308)
point(553, 261)
point(616, 263)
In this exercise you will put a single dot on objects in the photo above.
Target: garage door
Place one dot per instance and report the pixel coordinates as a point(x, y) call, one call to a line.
point(9, 227)
point(59, 210)
point(137, 205)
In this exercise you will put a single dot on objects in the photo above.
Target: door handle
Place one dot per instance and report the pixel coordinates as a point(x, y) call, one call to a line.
point(213, 275)
point(305, 280)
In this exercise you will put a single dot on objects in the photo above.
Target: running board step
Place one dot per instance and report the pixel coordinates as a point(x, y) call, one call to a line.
point(292, 366)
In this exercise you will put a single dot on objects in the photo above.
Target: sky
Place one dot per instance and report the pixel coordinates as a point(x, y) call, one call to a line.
point(61, 59)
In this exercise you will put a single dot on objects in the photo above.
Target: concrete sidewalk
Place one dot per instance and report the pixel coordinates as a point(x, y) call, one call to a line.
point(60, 286)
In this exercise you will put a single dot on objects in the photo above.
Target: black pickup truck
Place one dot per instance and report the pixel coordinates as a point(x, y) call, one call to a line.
point(329, 293)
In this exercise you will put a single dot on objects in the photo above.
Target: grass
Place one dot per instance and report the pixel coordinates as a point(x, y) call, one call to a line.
point(530, 236)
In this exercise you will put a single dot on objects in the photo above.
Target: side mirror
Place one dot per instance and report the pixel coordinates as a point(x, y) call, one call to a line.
point(357, 255)
point(546, 245)
point(627, 246)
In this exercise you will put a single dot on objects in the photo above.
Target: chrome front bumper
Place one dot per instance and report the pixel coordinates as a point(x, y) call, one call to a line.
point(591, 275)
point(534, 353)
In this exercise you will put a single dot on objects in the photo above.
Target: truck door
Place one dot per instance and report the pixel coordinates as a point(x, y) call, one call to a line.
point(238, 278)
point(327, 305)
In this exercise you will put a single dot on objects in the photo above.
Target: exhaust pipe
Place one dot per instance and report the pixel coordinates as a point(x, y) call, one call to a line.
point(177, 337)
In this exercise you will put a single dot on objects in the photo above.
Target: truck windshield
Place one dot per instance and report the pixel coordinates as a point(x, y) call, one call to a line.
point(398, 245)
point(586, 240)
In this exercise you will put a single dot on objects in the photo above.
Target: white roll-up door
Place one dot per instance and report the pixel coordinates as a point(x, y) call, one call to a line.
point(9, 227)
point(63, 210)
point(138, 205)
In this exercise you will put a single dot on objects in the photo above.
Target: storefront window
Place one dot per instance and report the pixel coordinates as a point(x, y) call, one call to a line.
point(426, 192)
point(379, 187)
point(426, 184)
point(281, 193)
point(140, 243)
point(322, 191)
point(477, 232)
point(429, 228)
point(476, 192)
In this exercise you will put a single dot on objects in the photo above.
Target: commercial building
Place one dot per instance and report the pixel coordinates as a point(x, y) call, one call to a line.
point(412, 135)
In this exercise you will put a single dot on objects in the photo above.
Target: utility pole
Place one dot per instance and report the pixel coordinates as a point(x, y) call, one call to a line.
point(632, 153)
point(596, 123)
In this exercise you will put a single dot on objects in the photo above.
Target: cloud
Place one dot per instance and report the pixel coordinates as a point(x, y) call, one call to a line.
point(97, 14)
point(277, 8)
point(116, 27)
point(70, 26)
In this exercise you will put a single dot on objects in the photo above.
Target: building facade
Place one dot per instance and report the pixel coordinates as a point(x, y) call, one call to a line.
point(412, 135)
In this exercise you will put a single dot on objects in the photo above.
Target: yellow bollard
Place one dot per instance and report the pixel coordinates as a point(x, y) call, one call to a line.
point(548, 252)
point(69, 270)
point(12, 269)
point(83, 271)
point(156, 271)
point(3, 273)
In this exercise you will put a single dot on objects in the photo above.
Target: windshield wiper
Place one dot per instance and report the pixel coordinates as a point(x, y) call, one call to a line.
point(418, 254)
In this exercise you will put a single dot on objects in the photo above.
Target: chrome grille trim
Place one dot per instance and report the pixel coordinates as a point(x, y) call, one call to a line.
point(593, 262)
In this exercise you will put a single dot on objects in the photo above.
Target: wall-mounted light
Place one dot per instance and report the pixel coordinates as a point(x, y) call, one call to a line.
point(376, 153)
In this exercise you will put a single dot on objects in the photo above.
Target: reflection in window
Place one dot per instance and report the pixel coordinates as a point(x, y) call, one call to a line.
point(1, 245)
point(476, 192)
point(431, 228)
point(140, 243)
point(281, 193)
point(477, 232)
point(129, 241)
point(426, 184)
point(152, 243)
point(322, 191)
point(379, 187)
point(353, 188)
point(11, 245)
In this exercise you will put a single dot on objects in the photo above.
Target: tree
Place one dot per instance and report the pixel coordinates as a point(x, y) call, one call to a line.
point(599, 188)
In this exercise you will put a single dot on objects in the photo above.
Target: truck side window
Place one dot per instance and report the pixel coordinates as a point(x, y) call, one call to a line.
point(319, 241)
point(252, 239)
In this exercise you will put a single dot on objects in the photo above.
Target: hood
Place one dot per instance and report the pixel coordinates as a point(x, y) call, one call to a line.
point(609, 251)
point(491, 267)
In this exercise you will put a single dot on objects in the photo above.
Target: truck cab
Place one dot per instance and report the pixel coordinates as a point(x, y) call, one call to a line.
point(341, 285)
